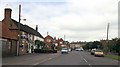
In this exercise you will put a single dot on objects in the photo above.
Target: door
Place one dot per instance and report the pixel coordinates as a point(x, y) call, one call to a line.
point(9, 47)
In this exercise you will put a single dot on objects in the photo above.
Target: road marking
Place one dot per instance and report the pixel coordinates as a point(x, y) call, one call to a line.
point(84, 59)
point(46, 59)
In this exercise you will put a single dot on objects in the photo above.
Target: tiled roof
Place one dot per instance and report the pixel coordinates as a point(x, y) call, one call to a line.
point(78, 43)
point(5, 32)
point(27, 29)
point(49, 36)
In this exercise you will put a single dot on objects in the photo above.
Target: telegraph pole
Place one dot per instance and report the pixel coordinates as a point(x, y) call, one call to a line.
point(107, 30)
point(19, 30)
point(64, 37)
point(107, 37)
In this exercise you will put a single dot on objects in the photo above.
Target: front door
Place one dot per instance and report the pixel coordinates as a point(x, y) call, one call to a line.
point(9, 47)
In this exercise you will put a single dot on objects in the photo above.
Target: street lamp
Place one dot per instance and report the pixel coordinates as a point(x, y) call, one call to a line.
point(19, 30)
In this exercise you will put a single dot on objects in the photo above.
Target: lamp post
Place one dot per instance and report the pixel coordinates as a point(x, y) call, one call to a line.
point(19, 30)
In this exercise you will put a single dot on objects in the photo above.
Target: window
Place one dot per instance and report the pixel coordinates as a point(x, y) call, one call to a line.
point(48, 40)
point(61, 42)
point(3, 45)
point(23, 33)
point(22, 45)
point(31, 37)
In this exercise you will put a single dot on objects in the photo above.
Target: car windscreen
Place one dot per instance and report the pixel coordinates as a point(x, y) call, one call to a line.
point(98, 51)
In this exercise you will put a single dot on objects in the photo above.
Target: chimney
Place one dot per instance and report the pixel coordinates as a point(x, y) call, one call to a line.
point(8, 13)
point(37, 28)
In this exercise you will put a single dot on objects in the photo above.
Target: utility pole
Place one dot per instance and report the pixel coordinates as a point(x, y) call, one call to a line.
point(107, 30)
point(47, 33)
point(19, 30)
point(64, 37)
point(108, 37)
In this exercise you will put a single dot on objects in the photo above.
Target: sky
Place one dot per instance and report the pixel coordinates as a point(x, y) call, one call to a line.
point(78, 20)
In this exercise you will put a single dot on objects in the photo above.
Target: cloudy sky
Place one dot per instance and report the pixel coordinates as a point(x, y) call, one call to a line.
point(78, 20)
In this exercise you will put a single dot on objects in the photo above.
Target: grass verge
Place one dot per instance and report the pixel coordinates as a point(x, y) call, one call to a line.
point(112, 56)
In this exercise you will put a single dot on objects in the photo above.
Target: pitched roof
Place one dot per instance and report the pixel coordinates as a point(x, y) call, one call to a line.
point(78, 43)
point(5, 32)
point(49, 36)
point(27, 29)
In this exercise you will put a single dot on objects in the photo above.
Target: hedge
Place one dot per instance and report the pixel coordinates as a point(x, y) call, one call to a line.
point(45, 51)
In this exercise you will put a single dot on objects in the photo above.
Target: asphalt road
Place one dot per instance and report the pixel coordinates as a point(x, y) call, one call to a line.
point(79, 58)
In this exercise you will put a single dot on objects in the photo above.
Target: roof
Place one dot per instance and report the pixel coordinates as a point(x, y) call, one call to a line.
point(7, 33)
point(49, 36)
point(27, 29)
point(78, 43)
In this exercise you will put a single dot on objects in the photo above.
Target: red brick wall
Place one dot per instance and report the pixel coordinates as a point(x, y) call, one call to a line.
point(48, 43)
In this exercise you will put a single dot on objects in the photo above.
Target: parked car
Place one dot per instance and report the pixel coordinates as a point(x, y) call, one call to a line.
point(64, 50)
point(79, 49)
point(69, 49)
point(99, 53)
point(92, 51)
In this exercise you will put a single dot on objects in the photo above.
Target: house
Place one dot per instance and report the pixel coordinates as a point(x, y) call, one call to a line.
point(60, 41)
point(27, 34)
point(8, 40)
point(37, 37)
point(48, 40)
point(77, 44)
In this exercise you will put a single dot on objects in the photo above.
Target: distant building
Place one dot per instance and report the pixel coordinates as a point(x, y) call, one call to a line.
point(74, 45)
point(48, 40)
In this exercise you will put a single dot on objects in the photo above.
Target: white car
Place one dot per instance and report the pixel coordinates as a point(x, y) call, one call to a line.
point(64, 50)
point(69, 49)
point(79, 49)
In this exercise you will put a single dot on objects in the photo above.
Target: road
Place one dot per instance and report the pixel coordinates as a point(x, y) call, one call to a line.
point(80, 58)
point(72, 58)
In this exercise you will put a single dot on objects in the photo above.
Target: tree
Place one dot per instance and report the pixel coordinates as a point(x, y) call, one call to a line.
point(40, 44)
point(97, 45)
point(117, 46)
point(88, 46)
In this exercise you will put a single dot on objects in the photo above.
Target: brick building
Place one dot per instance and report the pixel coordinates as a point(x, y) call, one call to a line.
point(48, 40)
point(27, 34)
point(79, 44)
point(8, 40)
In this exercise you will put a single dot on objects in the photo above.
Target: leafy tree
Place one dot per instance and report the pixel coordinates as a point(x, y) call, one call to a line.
point(117, 46)
point(97, 44)
point(105, 49)
point(40, 43)
point(88, 46)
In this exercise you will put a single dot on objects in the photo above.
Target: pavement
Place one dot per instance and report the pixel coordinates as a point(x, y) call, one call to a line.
point(29, 59)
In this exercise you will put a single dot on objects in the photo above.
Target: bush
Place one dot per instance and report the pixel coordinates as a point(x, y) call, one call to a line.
point(45, 51)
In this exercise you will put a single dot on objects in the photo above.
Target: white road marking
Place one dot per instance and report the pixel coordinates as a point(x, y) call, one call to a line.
point(84, 59)
point(45, 60)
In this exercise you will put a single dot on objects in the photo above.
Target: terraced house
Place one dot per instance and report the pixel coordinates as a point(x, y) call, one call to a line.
point(28, 35)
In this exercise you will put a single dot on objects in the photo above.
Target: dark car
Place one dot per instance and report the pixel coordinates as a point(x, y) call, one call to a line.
point(92, 52)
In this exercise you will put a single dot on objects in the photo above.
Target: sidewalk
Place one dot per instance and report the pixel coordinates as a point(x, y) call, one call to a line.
point(29, 59)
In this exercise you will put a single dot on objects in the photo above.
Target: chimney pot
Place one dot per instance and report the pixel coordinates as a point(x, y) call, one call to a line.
point(37, 28)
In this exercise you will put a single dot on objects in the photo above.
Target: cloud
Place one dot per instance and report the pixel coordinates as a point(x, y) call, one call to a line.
point(77, 19)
